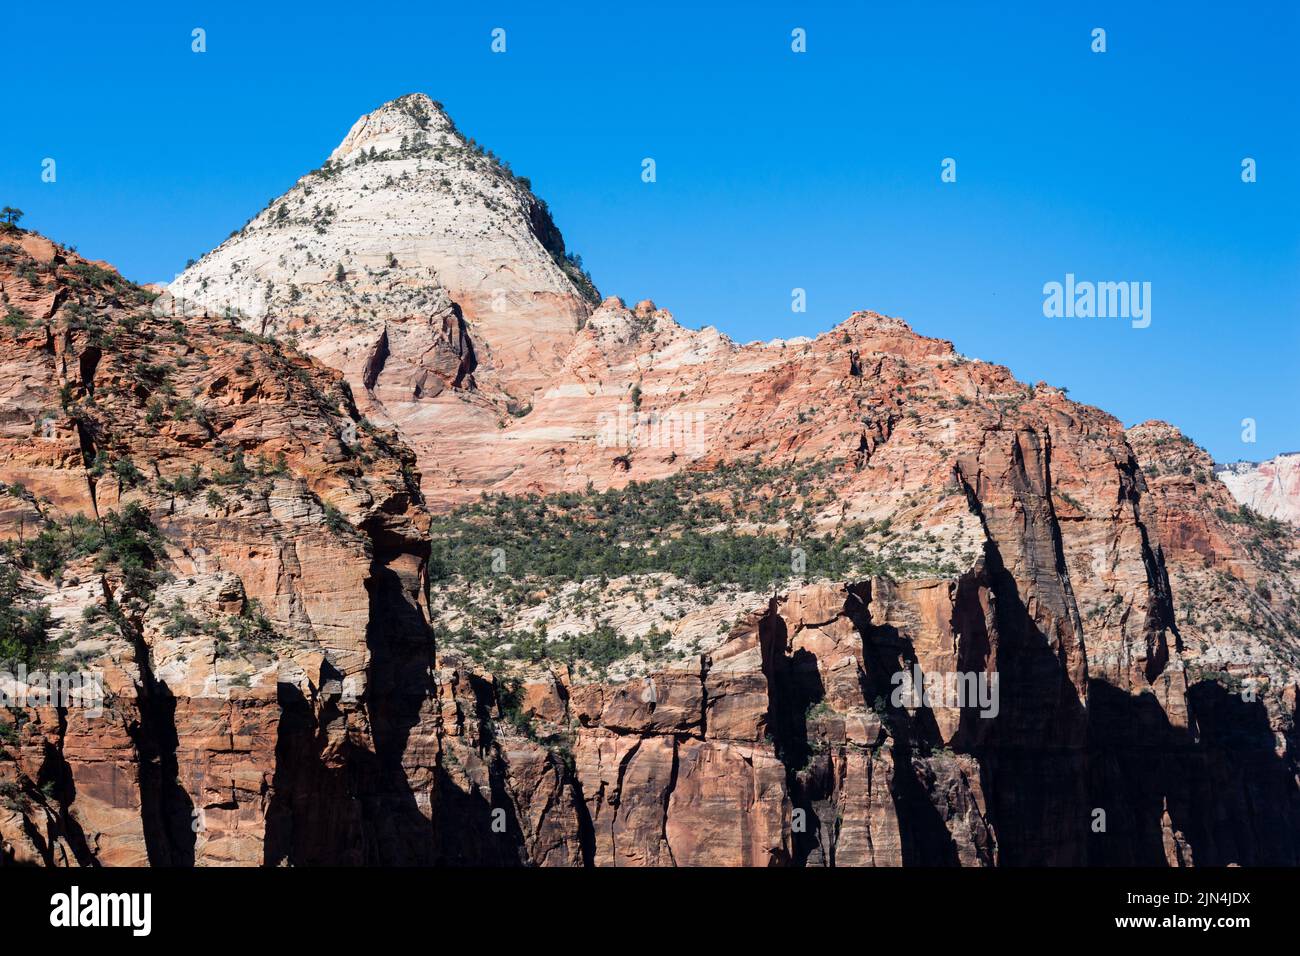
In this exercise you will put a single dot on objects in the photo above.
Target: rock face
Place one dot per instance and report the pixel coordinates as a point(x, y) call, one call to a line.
point(1271, 487)
point(415, 263)
point(211, 551)
point(853, 600)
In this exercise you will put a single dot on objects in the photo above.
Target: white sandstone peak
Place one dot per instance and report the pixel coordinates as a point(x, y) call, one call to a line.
point(404, 219)
point(406, 122)
point(1271, 487)
point(414, 262)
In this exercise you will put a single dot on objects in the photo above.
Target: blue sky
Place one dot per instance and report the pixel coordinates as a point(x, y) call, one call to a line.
point(776, 170)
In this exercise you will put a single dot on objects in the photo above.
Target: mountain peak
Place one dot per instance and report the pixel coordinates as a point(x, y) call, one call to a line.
point(408, 121)
point(415, 262)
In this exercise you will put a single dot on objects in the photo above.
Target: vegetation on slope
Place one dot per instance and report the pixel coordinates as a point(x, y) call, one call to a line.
point(739, 528)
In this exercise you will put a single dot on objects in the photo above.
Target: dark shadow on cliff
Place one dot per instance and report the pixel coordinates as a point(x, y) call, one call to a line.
point(398, 683)
point(471, 832)
point(1230, 798)
point(315, 816)
point(56, 775)
point(794, 685)
point(924, 838)
point(335, 802)
point(166, 810)
point(1032, 763)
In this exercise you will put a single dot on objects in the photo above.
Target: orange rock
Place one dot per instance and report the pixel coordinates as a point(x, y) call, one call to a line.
point(277, 696)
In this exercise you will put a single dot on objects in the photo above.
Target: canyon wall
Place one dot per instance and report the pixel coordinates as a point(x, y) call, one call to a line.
point(375, 571)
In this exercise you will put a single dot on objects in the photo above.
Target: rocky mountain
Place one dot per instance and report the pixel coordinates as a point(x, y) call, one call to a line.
point(417, 264)
point(380, 569)
point(1271, 487)
point(175, 500)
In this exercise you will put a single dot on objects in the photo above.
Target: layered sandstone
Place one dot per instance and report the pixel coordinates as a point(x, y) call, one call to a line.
point(253, 608)
point(417, 264)
point(353, 657)
point(1272, 488)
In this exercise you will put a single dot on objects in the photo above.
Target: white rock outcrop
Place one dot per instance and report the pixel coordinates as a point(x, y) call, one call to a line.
point(414, 262)
point(1270, 487)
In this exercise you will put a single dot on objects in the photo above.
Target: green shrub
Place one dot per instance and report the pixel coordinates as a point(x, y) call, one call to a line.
point(335, 521)
point(239, 473)
point(16, 319)
point(127, 473)
point(24, 623)
point(62, 541)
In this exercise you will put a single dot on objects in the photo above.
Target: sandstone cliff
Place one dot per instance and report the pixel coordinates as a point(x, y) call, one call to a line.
point(417, 264)
point(180, 498)
point(570, 584)
point(1271, 488)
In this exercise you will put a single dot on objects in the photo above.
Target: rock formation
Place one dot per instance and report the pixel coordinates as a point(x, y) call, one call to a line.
point(377, 572)
point(1271, 488)
point(419, 266)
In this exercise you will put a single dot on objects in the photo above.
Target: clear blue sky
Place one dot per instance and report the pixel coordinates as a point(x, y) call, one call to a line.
point(775, 170)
